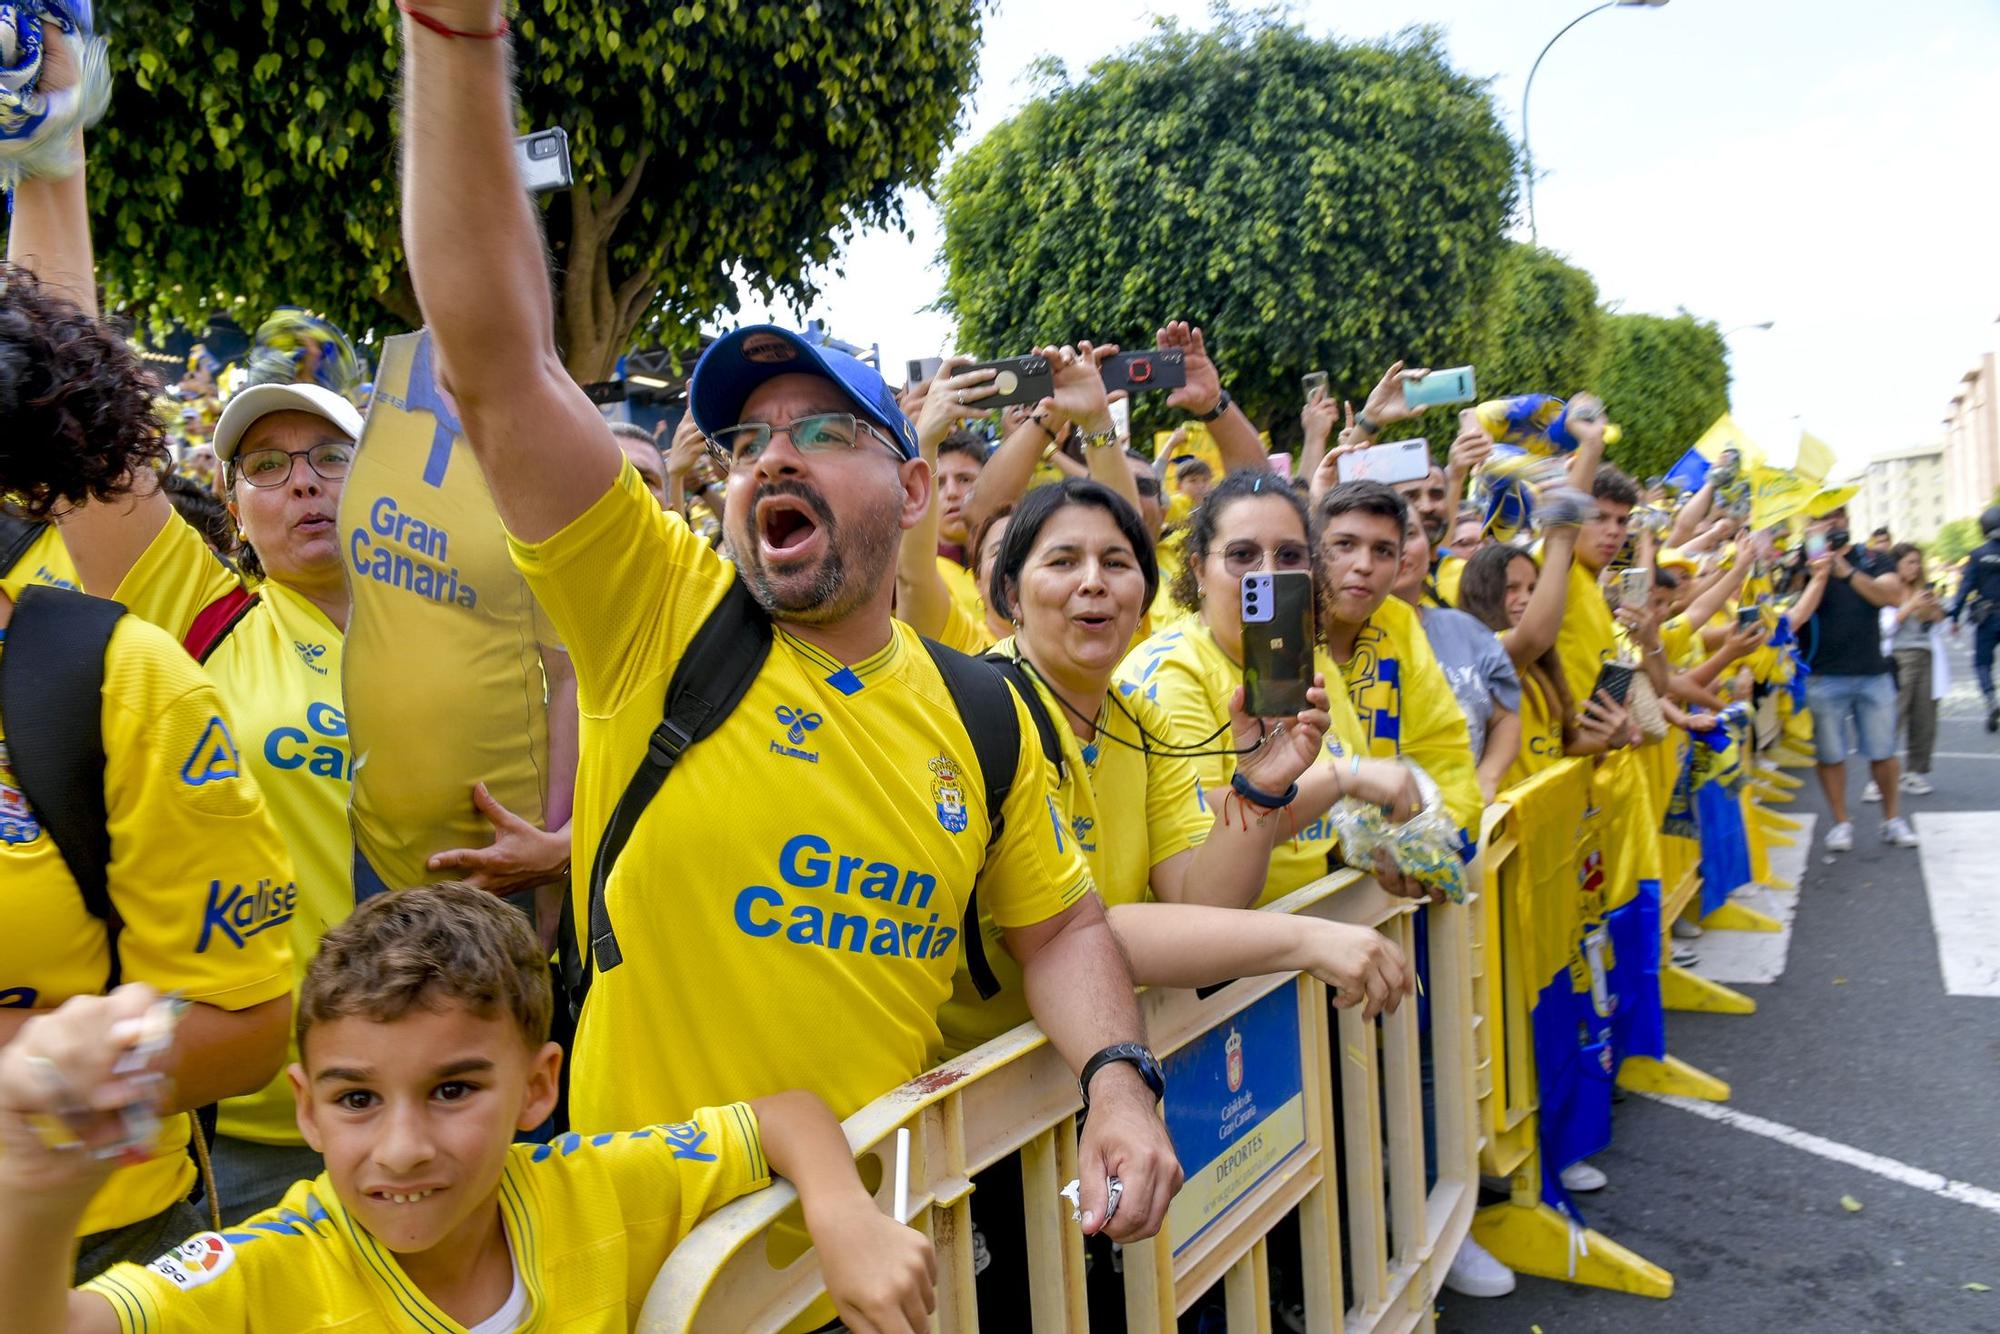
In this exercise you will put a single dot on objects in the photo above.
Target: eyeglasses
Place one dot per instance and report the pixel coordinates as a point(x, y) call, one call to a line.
point(1149, 487)
point(822, 433)
point(273, 467)
point(1241, 558)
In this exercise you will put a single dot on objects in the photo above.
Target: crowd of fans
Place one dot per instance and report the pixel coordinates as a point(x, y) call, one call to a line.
point(1015, 772)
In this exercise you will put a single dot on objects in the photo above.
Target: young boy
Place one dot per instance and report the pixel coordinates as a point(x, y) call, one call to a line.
point(423, 1047)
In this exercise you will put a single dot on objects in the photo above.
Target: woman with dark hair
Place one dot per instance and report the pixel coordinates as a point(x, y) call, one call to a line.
point(174, 822)
point(1523, 604)
point(1249, 522)
point(1073, 577)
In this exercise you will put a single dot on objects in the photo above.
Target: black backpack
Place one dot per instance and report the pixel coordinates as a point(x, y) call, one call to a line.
point(51, 706)
point(711, 678)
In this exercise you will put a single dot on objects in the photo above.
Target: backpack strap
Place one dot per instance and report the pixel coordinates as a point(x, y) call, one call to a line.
point(212, 624)
point(16, 536)
point(51, 699)
point(985, 699)
point(710, 680)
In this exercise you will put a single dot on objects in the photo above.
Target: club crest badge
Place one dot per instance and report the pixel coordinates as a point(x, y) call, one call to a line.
point(1233, 1048)
point(948, 794)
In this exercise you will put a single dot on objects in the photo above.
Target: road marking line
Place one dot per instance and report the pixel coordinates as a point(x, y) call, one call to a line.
point(1941, 1186)
point(1957, 855)
point(1964, 755)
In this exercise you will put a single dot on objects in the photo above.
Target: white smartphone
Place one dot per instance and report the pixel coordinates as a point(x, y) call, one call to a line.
point(1392, 464)
point(544, 160)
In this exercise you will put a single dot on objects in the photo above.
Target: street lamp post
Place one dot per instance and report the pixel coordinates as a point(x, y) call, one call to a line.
point(1534, 237)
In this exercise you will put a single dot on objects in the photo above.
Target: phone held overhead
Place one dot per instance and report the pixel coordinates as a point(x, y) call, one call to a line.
point(1277, 642)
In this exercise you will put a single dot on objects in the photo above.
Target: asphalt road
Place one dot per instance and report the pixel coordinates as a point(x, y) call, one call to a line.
point(1856, 1043)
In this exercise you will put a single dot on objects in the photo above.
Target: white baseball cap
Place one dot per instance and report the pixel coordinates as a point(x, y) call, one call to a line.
point(259, 401)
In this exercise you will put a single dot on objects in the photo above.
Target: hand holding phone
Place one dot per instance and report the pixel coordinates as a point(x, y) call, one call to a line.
point(1277, 643)
point(1614, 679)
point(1315, 385)
point(1137, 372)
point(1027, 379)
point(1435, 388)
point(1391, 464)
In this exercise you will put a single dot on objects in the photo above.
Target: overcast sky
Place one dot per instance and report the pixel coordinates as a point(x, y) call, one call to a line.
point(1829, 166)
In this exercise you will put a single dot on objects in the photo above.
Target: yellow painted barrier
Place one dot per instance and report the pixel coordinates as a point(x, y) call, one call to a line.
point(1015, 1095)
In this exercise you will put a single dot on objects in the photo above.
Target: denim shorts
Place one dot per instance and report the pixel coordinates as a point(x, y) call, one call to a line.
point(1860, 709)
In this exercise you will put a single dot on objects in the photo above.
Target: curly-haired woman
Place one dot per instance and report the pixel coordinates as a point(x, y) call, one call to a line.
point(132, 897)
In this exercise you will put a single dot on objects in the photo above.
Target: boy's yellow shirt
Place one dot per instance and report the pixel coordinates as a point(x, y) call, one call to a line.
point(789, 906)
point(199, 878)
point(589, 1219)
point(279, 673)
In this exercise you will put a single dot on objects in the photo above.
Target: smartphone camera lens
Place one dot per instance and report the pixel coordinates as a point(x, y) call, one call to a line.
point(541, 148)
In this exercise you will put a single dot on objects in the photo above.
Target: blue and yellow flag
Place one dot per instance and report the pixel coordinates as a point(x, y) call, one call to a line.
point(443, 673)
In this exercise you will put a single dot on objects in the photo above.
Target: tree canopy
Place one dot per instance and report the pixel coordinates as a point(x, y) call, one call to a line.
point(1313, 204)
point(1546, 334)
point(250, 153)
point(1665, 381)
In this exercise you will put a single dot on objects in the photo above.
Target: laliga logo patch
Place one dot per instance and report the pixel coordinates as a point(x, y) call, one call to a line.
point(947, 794)
point(768, 349)
point(213, 758)
point(200, 1259)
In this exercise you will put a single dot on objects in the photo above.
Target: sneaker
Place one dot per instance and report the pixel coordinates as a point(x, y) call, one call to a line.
point(1475, 1273)
point(1871, 792)
point(1840, 838)
point(1992, 716)
point(1684, 957)
point(1898, 834)
point(1581, 1178)
point(1917, 785)
point(1685, 930)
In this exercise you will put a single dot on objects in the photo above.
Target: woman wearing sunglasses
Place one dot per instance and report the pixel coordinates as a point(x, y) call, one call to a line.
point(1250, 522)
point(271, 638)
point(1073, 577)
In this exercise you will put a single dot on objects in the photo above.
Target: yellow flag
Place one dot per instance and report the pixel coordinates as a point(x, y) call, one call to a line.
point(443, 677)
point(1815, 458)
point(1777, 495)
point(1831, 499)
point(1725, 435)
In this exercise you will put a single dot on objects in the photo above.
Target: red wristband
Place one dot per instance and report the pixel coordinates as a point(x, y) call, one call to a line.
point(424, 20)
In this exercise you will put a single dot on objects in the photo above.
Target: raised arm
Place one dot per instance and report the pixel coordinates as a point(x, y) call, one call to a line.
point(1585, 416)
point(481, 276)
point(1234, 434)
point(1541, 623)
point(1688, 522)
point(922, 599)
point(1808, 604)
point(1009, 469)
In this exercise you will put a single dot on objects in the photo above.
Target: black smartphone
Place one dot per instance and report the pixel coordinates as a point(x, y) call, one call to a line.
point(1016, 380)
point(922, 370)
point(1277, 643)
point(1136, 372)
point(1749, 618)
point(1613, 679)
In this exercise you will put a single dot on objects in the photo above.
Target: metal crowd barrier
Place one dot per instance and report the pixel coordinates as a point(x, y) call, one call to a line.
point(1265, 1086)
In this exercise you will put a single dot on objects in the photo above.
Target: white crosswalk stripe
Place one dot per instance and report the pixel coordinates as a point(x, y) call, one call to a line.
point(1958, 858)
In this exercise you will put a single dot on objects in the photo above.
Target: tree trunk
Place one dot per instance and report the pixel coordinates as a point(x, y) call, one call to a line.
point(596, 318)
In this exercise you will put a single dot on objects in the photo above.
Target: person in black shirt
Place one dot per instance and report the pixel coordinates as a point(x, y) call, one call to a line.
point(1981, 585)
point(1853, 683)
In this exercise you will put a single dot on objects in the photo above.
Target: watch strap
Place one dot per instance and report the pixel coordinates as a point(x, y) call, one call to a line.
point(1129, 1053)
point(1222, 405)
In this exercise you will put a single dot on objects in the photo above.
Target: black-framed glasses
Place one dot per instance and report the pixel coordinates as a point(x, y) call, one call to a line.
point(1240, 558)
point(741, 445)
point(273, 467)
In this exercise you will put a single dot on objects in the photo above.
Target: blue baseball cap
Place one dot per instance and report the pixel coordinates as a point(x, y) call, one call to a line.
point(739, 361)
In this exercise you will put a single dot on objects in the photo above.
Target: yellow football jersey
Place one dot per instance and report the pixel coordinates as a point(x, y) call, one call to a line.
point(46, 563)
point(1186, 674)
point(1541, 732)
point(967, 634)
point(1450, 573)
point(589, 1220)
point(1588, 638)
point(278, 672)
point(1127, 809)
point(790, 904)
point(966, 594)
point(198, 876)
point(1406, 708)
point(432, 584)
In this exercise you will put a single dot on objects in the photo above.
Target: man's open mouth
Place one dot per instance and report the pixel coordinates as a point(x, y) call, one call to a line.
point(785, 523)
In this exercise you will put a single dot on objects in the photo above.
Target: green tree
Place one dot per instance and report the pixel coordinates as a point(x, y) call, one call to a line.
point(1547, 333)
point(250, 153)
point(1954, 540)
point(1664, 381)
point(1312, 204)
